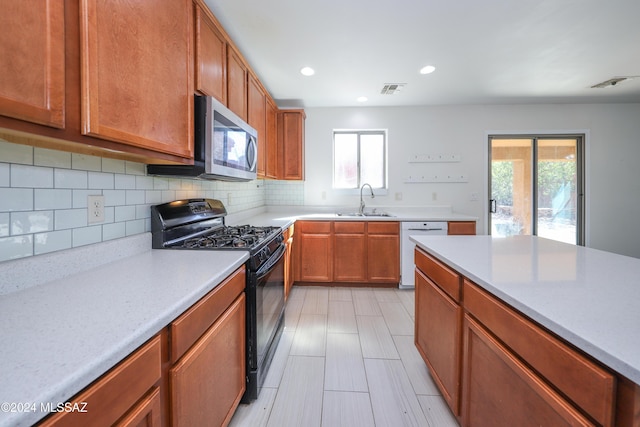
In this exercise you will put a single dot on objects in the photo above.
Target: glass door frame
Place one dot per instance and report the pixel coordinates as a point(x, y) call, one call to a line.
point(581, 149)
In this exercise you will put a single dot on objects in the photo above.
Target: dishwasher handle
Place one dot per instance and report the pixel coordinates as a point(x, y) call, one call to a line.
point(426, 229)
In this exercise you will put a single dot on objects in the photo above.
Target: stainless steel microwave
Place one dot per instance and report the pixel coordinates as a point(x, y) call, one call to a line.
point(225, 146)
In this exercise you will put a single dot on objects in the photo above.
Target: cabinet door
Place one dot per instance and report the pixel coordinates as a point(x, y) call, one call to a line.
point(499, 390)
point(136, 73)
point(147, 413)
point(32, 61)
point(271, 167)
point(291, 144)
point(438, 337)
point(350, 252)
point(383, 248)
point(315, 251)
point(257, 120)
point(236, 84)
point(211, 56)
point(208, 382)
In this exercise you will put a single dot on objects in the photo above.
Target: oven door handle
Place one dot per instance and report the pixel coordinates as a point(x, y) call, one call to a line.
point(273, 260)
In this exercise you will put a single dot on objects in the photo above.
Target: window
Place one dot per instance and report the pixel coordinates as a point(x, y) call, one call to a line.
point(359, 157)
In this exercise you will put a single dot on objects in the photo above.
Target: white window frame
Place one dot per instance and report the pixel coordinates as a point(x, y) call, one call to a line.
point(379, 190)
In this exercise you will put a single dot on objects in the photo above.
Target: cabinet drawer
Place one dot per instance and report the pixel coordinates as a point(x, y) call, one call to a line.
point(314, 226)
point(189, 327)
point(349, 227)
point(440, 274)
point(379, 227)
point(111, 396)
point(586, 384)
point(462, 228)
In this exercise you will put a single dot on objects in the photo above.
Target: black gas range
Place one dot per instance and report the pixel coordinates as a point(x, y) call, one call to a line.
point(199, 224)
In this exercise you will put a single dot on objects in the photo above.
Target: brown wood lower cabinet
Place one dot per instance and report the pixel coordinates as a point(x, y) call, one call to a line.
point(193, 373)
point(354, 252)
point(128, 395)
point(496, 367)
point(501, 391)
point(438, 326)
point(209, 380)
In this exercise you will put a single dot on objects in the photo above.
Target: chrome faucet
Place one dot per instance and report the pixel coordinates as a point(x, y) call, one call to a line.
point(361, 211)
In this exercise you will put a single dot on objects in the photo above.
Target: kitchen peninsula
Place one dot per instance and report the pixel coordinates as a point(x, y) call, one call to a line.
point(529, 326)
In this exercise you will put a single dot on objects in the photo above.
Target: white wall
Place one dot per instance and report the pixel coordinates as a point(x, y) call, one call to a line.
point(613, 151)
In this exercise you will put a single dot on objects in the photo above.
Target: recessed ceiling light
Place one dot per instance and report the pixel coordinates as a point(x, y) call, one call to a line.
point(428, 69)
point(362, 99)
point(307, 71)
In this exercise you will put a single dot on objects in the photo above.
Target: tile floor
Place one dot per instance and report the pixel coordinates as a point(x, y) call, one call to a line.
point(347, 358)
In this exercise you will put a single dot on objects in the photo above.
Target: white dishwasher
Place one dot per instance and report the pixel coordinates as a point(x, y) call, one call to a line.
point(407, 247)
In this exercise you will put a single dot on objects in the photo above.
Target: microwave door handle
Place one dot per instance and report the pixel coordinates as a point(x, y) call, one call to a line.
point(252, 160)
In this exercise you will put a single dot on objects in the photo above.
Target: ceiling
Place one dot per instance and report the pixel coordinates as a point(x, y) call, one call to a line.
point(484, 51)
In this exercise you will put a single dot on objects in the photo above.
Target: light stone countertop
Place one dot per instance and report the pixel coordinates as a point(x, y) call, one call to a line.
point(284, 216)
point(589, 297)
point(59, 336)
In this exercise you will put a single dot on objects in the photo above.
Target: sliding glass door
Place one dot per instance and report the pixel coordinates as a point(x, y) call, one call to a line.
point(536, 186)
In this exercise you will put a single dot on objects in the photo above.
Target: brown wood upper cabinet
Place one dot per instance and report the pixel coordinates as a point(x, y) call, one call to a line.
point(237, 83)
point(291, 144)
point(32, 61)
point(271, 162)
point(136, 73)
point(211, 55)
point(256, 103)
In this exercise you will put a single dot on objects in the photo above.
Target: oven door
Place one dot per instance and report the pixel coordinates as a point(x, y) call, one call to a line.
point(265, 318)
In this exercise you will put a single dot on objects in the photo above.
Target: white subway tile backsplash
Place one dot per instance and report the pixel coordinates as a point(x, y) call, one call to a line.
point(101, 180)
point(125, 182)
point(114, 230)
point(86, 235)
point(16, 199)
point(86, 162)
point(5, 180)
point(31, 222)
point(43, 198)
point(124, 213)
point(114, 197)
point(135, 227)
point(5, 219)
point(80, 197)
point(31, 176)
point(113, 165)
point(67, 178)
point(160, 183)
point(16, 153)
point(70, 218)
point(46, 199)
point(16, 247)
point(51, 241)
point(153, 197)
point(51, 158)
point(135, 197)
point(133, 168)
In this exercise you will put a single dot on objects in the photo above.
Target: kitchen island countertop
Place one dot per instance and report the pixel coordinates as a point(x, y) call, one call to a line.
point(589, 297)
point(59, 336)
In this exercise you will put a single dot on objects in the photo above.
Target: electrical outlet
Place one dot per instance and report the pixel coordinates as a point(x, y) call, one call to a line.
point(95, 209)
point(398, 196)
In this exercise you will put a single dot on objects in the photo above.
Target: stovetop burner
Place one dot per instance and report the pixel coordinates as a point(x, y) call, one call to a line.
point(242, 236)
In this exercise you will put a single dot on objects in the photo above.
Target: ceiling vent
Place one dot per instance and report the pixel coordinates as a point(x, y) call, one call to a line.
point(612, 82)
point(392, 88)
